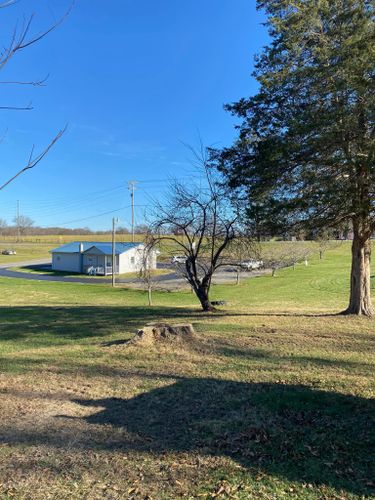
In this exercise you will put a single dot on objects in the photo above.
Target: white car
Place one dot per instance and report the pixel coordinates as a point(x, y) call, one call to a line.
point(252, 264)
point(9, 252)
point(178, 259)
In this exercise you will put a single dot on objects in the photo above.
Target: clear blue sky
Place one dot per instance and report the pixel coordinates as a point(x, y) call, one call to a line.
point(133, 79)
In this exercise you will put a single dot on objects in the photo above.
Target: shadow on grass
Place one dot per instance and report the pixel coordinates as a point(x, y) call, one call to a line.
point(224, 348)
point(74, 323)
point(287, 430)
point(223, 312)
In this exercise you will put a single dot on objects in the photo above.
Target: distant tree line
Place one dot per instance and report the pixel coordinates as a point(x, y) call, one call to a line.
point(23, 225)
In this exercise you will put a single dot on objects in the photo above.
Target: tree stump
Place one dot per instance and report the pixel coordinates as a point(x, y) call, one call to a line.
point(164, 332)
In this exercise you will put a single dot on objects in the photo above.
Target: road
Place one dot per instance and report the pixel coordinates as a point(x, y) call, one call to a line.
point(171, 280)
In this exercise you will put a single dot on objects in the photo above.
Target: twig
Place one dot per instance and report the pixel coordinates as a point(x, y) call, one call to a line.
point(33, 161)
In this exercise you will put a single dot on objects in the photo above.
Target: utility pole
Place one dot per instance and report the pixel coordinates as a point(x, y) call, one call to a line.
point(114, 220)
point(18, 220)
point(132, 188)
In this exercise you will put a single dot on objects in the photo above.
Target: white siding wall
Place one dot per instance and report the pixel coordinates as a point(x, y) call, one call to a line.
point(132, 260)
point(128, 262)
point(66, 262)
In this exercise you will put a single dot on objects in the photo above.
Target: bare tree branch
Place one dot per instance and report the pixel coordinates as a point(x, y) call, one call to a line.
point(7, 3)
point(34, 83)
point(34, 160)
point(29, 107)
point(20, 40)
point(204, 224)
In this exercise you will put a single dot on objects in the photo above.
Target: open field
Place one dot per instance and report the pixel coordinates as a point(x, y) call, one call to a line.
point(25, 251)
point(272, 400)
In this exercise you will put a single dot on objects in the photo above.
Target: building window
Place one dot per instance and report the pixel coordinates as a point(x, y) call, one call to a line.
point(132, 260)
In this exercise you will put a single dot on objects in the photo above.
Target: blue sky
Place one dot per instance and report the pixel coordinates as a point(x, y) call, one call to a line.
point(133, 79)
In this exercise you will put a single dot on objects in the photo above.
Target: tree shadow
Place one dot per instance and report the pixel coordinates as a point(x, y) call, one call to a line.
point(291, 431)
point(225, 348)
point(228, 313)
point(73, 323)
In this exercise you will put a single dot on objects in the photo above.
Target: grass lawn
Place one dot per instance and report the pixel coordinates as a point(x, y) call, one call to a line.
point(272, 400)
point(25, 251)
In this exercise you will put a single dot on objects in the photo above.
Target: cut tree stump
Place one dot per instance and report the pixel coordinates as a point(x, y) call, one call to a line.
point(163, 332)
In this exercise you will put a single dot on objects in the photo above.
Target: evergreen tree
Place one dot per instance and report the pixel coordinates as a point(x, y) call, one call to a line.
point(305, 154)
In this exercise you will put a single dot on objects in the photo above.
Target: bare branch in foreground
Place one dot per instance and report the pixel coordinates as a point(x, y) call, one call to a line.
point(29, 107)
point(20, 39)
point(34, 83)
point(34, 160)
point(7, 3)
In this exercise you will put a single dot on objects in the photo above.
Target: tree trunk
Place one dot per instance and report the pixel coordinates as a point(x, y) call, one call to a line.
point(202, 294)
point(360, 287)
point(238, 278)
point(149, 295)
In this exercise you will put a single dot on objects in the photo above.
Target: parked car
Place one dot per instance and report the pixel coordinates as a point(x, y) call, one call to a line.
point(9, 251)
point(252, 264)
point(178, 259)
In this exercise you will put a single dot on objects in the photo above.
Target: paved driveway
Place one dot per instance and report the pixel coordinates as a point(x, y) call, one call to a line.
point(171, 280)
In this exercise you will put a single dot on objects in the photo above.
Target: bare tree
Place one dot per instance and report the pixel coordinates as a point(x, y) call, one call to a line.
point(141, 229)
point(3, 225)
point(146, 272)
point(122, 230)
point(20, 39)
point(275, 256)
point(279, 254)
point(299, 251)
point(204, 226)
point(245, 255)
point(324, 242)
point(23, 223)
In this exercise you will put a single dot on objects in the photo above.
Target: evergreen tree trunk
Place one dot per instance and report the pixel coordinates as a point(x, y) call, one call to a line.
point(360, 287)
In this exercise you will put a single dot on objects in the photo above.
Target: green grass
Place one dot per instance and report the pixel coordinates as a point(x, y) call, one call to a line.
point(272, 399)
point(25, 251)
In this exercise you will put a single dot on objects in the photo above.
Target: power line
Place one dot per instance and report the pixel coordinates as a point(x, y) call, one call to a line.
point(54, 207)
point(97, 215)
point(91, 217)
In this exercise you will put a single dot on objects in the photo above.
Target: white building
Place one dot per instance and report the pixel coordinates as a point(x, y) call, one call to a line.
point(92, 257)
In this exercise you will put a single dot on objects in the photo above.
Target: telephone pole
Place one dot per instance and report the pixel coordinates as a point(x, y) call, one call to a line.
point(114, 220)
point(131, 185)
